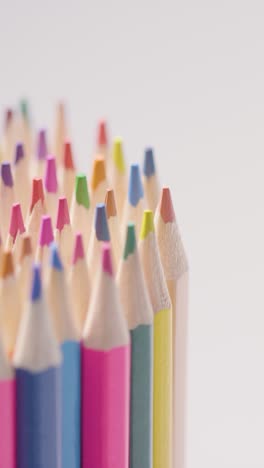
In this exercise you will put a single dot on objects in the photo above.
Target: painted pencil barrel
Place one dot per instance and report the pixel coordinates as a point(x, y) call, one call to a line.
point(140, 455)
point(162, 390)
point(105, 407)
point(38, 419)
point(7, 424)
point(71, 405)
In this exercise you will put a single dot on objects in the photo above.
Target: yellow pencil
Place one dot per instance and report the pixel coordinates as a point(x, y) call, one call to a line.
point(162, 347)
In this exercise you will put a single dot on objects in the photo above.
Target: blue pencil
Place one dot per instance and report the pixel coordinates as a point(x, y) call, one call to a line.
point(66, 331)
point(135, 203)
point(37, 362)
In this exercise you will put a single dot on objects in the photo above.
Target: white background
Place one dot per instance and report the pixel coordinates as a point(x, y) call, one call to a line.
point(188, 78)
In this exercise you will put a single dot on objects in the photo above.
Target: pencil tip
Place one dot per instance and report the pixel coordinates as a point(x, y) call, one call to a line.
point(107, 259)
point(102, 139)
point(26, 247)
point(51, 183)
point(130, 240)
point(6, 174)
point(98, 172)
point(135, 188)
point(101, 225)
point(19, 152)
point(147, 224)
point(24, 109)
point(166, 206)
point(37, 192)
point(55, 260)
point(110, 203)
point(78, 251)
point(81, 190)
point(42, 149)
point(8, 117)
point(63, 216)
point(68, 157)
point(36, 288)
point(7, 267)
point(16, 221)
point(118, 155)
point(149, 164)
point(46, 231)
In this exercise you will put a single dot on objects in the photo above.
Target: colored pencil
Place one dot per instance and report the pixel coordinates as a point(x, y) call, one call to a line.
point(41, 153)
point(68, 172)
point(105, 375)
point(135, 202)
point(175, 267)
point(46, 238)
point(67, 336)
point(21, 174)
point(37, 363)
point(118, 174)
point(99, 183)
point(113, 225)
point(63, 231)
point(99, 234)
point(51, 187)
point(36, 211)
point(7, 197)
point(81, 213)
point(102, 140)
point(162, 360)
point(138, 311)
point(26, 131)
point(16, 227)
point(60, 131)
point(25, 259)
point(150, 180)
point(10, 306)
point(7, 412)
point(8, 134)
point(79, 282)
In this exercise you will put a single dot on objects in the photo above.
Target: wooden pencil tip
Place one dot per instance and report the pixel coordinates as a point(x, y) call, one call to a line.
point(130, 240)
point(135, 187)
point(51, 183)
point(37, 192)
point(102, 139)
point(63, 216)
point(26, 247)
point(42, 147)
point(7, 267)
point(110, 203)
point(101, 225)
point(46, 232)
point(16, 221)
point(67, 156)
point(118, 155)
point(81, 190)
point(19, 153)
point(78, 251)
point(147, 224)
point(98, 172)
point(36, 287)
point(6, 174)
point(107, 259)
point(166, 206)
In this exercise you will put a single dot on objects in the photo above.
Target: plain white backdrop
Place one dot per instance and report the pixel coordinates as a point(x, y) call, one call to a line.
point(187, 77)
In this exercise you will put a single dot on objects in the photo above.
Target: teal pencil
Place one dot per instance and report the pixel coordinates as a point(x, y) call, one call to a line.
point(138, 310)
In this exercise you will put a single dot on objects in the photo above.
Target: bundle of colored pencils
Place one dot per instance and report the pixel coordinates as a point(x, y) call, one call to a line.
point(93, 324)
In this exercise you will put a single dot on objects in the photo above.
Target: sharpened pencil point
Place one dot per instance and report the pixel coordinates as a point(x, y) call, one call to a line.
point(51, 183)
point(37, 192)
point(46, 231)
point(6, 174)
point(135, 187)
point(149, 164)
point(55, 260)
point(166, 206)
point(98, 172)
point(7, 266)
point(81, 190)
point(110, 203)
point(63, 216)
point(118, 155)
point(107, 258)
point(147, 224)
point(130, 240)
point(16, 221)
point(42, 149)
point(19, 153)
point(101, 225)
point(67, 156)
point(36, 288)
point(8, 117)
point(78, 251)
point(24, 109)
point(102, 133)
point(26, 247)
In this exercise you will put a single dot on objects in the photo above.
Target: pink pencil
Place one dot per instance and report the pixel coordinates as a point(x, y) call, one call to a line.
point(105, 375)
point(7, 413)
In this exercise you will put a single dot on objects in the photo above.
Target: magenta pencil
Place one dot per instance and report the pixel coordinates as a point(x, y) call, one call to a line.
point(7, 413)
point(105, 376)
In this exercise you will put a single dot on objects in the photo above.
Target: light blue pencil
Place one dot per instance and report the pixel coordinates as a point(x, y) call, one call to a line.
point(66, 331)
point(138, 311)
